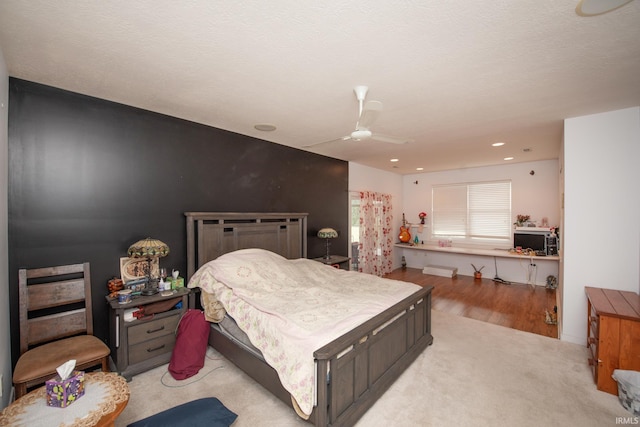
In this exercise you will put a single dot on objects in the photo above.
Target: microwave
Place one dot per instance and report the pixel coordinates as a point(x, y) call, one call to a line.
point(542, 242)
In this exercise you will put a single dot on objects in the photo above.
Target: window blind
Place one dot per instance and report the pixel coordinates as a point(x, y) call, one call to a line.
point(472, 211)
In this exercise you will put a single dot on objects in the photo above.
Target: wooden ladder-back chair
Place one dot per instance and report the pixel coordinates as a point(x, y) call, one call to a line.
point(56, 324)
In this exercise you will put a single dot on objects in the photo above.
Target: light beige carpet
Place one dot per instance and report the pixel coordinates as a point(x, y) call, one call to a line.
point(474, 374)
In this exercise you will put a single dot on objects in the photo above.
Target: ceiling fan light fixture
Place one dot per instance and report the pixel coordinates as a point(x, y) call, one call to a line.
point(359, 135)
point(361, 92)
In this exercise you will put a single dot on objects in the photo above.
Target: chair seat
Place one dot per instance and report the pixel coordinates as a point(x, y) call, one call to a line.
point(43, 360)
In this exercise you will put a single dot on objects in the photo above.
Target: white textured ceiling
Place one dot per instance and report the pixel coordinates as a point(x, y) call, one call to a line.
point(454, 76)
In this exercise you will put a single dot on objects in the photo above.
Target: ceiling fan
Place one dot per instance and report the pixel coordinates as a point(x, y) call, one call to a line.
point(368, 113)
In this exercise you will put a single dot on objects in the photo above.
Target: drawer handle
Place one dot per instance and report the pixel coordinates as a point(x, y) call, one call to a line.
point(151, 331)
point(151, 350)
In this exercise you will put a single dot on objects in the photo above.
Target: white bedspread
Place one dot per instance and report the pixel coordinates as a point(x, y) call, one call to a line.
point(290, 308)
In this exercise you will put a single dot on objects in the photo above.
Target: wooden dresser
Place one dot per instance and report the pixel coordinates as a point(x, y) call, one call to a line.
point(613, 334)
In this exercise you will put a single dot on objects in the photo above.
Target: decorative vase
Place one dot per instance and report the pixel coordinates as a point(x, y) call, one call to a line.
point(477, 275)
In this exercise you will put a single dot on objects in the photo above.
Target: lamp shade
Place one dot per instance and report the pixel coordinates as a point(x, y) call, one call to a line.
point(148, 248)
point(327, 233)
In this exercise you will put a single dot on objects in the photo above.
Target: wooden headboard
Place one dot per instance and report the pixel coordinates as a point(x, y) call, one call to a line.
point(211, 234)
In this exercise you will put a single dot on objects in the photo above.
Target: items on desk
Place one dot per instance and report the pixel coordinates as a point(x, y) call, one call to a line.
point(444, 243)
point(422, 216)
point(405, 235)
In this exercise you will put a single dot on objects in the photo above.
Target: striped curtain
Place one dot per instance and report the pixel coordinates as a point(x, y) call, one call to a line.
point(376, 237)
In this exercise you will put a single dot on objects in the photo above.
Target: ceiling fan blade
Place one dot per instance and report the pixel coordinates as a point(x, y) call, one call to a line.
point(390, 139)
point(315, 144)
point(369, 115)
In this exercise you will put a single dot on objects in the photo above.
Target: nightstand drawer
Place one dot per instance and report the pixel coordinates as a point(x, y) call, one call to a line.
point(148, 330)
point(148, 349)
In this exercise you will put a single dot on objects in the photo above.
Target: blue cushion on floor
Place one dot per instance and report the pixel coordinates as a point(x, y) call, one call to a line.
point(207, 412)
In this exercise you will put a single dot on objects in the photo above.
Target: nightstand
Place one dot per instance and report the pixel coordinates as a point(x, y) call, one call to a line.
point(337, 261)
point(142, 344)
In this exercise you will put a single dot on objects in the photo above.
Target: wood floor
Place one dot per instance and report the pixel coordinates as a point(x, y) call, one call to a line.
point(516, 306)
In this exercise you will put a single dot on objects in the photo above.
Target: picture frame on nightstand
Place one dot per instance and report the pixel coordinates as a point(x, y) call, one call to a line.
point(136, 268)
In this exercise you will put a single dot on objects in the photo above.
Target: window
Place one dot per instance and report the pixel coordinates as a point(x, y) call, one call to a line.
point(472, 212)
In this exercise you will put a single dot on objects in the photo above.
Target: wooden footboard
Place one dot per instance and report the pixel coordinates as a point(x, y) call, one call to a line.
point(360, 365)
point(380, 350)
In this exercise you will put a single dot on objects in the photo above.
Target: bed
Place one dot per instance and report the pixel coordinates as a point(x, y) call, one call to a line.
point(351, 370)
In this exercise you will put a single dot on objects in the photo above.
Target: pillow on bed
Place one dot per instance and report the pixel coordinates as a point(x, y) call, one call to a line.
point(213, 309)
point(203, 279)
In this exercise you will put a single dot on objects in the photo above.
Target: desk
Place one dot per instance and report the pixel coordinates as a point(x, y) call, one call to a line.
point(513, 267)
point(473, 251)
point(105, 397)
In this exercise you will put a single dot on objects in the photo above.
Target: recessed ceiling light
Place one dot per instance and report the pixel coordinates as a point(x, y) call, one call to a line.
point(265, 127)
point(395, 160)
point(497, 144)
point(508, 158)
point(419, 169)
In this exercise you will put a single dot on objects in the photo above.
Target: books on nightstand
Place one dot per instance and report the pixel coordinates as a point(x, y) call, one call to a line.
point(130, 314)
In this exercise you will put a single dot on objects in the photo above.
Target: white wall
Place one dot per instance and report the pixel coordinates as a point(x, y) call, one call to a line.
point(535, 195)
point(601, 211)
point(5, 335)
point(364, 178)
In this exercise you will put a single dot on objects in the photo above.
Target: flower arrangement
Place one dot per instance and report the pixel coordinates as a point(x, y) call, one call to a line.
point(521, 219)
point(422, 216)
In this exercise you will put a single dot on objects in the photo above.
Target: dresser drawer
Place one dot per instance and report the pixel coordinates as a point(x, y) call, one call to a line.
point(148, 349)
point(148, 330)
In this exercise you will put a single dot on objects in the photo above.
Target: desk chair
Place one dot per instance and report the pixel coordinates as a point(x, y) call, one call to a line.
point(56, 324)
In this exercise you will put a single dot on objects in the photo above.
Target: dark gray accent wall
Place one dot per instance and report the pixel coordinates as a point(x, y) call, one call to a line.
point(89, 177)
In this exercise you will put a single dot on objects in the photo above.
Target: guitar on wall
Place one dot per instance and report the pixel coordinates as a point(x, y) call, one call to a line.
point(405, 235)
